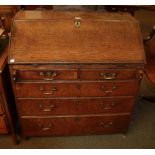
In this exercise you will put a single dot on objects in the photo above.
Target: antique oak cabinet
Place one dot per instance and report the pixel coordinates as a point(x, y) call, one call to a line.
point(75, 73)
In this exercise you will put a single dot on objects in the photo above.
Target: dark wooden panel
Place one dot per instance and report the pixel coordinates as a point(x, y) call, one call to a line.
point(74, 125)
point(3, 128)
point(108, 74)
point(38, 107)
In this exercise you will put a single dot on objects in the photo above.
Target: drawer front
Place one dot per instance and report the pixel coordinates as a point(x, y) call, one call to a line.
point(47, 75)
point(108, 74)
point(3, 128)
point(46, 90)
point(37, 107)
point(83, 89)
point(126, 88)
point(63, 126)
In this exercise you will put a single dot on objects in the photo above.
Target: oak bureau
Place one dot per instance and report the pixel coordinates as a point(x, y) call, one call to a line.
point(75, 73)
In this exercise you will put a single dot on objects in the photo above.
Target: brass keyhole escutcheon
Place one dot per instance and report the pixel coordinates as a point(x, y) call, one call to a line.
point(77, 22)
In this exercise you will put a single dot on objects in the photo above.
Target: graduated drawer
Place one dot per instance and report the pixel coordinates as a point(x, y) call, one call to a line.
point(37, 107)
point(3, 128)
point(108, 74)
point(83, 89)
point(74, 125)
point(47, 75)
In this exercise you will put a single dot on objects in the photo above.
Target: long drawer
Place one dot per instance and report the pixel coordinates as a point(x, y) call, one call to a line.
point(83, 89)
point(37, 107)
point(78, 125)
point(3, 128)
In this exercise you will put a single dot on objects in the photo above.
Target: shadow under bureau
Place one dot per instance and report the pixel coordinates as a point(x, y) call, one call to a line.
point(75, 73)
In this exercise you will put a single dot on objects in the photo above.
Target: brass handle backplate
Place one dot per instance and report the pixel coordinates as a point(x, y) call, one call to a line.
point(108, 76)
point(109, 91)
point(45, 128)
point(107, 106)
point(53, 90)
point(104, 125)
point(50, 108)
point(48, 75)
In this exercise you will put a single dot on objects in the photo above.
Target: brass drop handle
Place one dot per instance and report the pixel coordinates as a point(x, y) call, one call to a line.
point(48, 76)
point(114, 87)
point(107, 106)
point(45, 128)
point(48, 93)
point(109, 125)
point(47, 109)
point(108, 76)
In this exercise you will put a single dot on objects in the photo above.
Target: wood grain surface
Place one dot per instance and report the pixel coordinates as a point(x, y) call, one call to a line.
point(52, 37)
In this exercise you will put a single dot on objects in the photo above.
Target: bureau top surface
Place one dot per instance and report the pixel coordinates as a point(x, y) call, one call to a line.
point(75, 37)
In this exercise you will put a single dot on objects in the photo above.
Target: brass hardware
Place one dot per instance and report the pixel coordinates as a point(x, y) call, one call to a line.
point(47, 109)
point(114, 87)
point(48, 75)
point(2, 18)
point(50, 93)
point(45, 128)
point(140, 74)
point(108, 76)
point(41, 74)
point(109, 125)
point(41, 88)
point(107, 106)
point(14, 75)
point(77, 22)
point(109, 91)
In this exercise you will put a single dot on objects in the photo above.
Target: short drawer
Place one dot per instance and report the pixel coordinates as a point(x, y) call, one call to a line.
point(108, 74)
point(46, 90)
point(78, 125)
point(3, 128)
point(83, 89)
point(37, 107)
point(47, 75)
